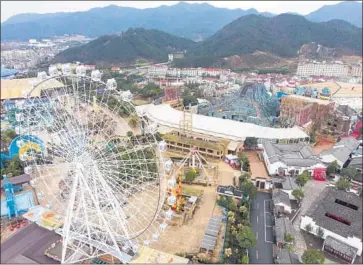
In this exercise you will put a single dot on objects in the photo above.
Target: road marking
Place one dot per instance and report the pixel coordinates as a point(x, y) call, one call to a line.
point(264, 219)
point(256, 235)
point(256, 254)
point(257, 219)
point(257, 205)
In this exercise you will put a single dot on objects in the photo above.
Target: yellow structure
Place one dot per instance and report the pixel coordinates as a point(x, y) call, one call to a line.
point(14, 88)
point(95, 106)
point(29, 146)
point(208, 149)
point(148, 255)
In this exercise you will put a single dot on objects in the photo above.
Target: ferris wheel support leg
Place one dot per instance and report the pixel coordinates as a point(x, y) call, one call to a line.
point(67, 223)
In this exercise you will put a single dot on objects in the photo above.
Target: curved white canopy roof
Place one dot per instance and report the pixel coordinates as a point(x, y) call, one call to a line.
point(228, 129)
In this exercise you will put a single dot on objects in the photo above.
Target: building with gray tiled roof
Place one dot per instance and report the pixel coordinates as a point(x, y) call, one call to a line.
point(285, 256)
point(285, 158)
point(281, 201)
point(339, 214)
point(340, 249)
point(282, 226)
point(340, 152)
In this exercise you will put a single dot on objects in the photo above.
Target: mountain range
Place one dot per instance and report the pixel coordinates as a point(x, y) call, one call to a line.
point(193, 21)
point(281, 35)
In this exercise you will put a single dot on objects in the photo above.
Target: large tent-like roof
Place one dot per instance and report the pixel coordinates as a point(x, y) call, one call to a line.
point(165, 115)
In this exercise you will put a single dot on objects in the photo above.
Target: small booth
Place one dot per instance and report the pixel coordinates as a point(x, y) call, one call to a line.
point(232, 160)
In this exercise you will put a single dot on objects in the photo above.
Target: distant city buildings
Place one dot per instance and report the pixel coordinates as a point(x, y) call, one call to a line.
point(26, 55)
point(163, 71)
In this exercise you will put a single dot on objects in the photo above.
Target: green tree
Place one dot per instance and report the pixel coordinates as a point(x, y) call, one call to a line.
point(189, 100)
point(243, 209)
point(134, 120)
point(14, 167)
point(308, 228)
point(298, 194)
point(151, 90)
point(313, 256)
point(245, 259)
point(303, 178)
point(244, 161)
point(313, 136)
point(288, 237)
point(343, 184)
point(250, 143)
point(332, 168)
point(8, 135)
point(246, 239)
point(319, 232)
point(228, 252)
point(249, 188)
point(244, 177)
point(350, 172)
point(130, 134)
point(190, 175)
point(232, 206)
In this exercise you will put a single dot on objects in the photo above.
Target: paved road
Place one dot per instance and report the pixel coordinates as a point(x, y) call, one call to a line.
point(262, 225)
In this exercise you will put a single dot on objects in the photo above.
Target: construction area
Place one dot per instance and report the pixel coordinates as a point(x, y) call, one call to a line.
point(251, 103)
point(325, 116)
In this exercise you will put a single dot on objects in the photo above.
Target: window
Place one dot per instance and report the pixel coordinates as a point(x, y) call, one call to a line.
point(346, 204)
point(338, 218)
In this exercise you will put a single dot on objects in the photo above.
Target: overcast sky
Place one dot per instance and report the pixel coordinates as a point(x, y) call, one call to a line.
point(10, 8)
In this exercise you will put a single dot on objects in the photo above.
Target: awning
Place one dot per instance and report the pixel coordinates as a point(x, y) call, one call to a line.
point(232, 146)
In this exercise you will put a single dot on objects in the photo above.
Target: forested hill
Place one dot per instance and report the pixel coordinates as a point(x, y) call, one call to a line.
point(282, 35)
point(136, 44)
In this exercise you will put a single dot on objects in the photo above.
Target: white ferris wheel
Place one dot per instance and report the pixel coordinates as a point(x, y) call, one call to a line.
point(107, 185)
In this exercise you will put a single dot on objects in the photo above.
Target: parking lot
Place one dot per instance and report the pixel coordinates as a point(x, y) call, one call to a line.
point(262, 225)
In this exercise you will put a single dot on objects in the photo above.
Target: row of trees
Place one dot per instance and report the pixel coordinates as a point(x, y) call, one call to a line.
point(239, 235)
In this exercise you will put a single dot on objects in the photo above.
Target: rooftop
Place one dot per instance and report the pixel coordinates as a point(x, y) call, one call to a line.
point(340, 246)
point(18, 180)
point(299, 154)
point(28, 246)
point(279, 196)
point(13, 88)
point(148, 255)
point(223, 128)
point(313, 100)
point(287, 257)
point(287, 183)
point(283, 225)
point(342, 149)
point(338, 211)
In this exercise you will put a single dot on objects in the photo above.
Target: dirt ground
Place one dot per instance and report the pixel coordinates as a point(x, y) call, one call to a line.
point(187, 238)
point(322, 145)
point(226, 174)
point(258, 168)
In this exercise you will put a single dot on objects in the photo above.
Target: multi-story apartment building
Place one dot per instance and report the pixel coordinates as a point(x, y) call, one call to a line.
point(337, 69)
point(357, 70)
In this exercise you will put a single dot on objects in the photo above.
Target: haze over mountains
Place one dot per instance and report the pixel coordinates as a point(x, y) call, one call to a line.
point(185, 20)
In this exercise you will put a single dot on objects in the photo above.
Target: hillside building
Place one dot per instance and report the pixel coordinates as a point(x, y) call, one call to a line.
point(336, 69)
